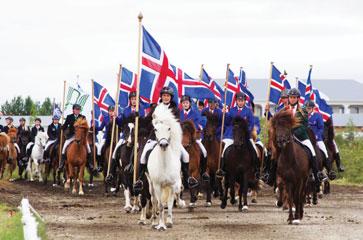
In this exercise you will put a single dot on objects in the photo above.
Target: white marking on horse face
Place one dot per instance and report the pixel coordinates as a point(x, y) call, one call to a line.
point(162, 133)
point(131, 127)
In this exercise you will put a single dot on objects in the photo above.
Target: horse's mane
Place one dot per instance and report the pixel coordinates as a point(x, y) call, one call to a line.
point(242, 124)
point(284, 118)
point(4, 139)
point(82, 123)
point(12, 131)
point(163, 114)
point(211, 117)
point(188, 125)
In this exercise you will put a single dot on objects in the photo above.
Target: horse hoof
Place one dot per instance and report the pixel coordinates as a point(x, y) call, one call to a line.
point(54, 185)
point(254, 201)
point(223, 205)
point(192, 205)
point(32, 180)
point(81, 193)
point(74, 191)
point(293, 209)
point(91, 185)
point(141, 222)
point(161, 227)
point(296, 222)
point(128, 209)
point(181, 204)
point(11, 180)
point(112, 189)
point(245, 209)
point(208, 204)
point(169, 225)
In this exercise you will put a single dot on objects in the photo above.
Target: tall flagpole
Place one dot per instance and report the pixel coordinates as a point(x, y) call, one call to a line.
point(268, 89)
point(137, 95)
point(223, 117)
point(201, 72)
point(119, 74)
point(93, 123)
point(62, 119)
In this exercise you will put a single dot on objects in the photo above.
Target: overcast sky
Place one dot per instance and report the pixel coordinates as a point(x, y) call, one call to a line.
point(45, 42)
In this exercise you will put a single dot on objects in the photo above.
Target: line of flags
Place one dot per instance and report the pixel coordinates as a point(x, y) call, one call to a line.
point(157, 72)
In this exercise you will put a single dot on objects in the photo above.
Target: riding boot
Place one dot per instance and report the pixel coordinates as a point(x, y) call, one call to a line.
point(317, 175)
point(138, 185)
point(191, 181)
point(331, 174)
point(340, 167)
point(271, 179)
point(90, 166)
point(112, 172)
point(62, 162)
point(99, 163)
point(203, 168)
point(220, 172)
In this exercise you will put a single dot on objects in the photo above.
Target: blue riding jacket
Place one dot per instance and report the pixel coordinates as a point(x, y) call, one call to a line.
point(193, 115)
point(316, 124)
point(257, 126)
point(235, 112)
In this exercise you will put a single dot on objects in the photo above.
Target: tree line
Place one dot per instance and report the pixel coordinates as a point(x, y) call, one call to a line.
point(19, 106)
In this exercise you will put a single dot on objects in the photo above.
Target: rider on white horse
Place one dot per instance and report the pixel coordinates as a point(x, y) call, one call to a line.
point(68, 128)
point(241, 111)
point(189, 114)
point(166, 96)
point(53, 132)
point(34, 131)
point(316, 124)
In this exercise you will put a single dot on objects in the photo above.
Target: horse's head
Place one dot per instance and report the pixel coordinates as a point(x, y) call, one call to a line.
point(240, 131)
point(162, 133)
point(80, 130)
point(12, 134)
point(24, 138)
point(189, 133)
point(282, 124)
point(211, 126)
point(329, 130)
point(129, 133)
point(41, 139)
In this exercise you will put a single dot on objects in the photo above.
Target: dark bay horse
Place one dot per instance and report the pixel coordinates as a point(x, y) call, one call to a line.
point(239, 165)
point(77, 156)
point(211, 144)
point(292, 164)
point(52, 164)
point(23, 140)
point(191, 146)
point(4, 152)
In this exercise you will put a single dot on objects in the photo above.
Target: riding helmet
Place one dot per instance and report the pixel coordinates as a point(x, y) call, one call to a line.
point(167, 90)
point(111, 108)
point(294, 92)
point(132, 94)
point(310, 103)
point(55, 117)
point(185, 98)
point(211, 100)
point(241, 96)
point(76, 106)
point(284, 94)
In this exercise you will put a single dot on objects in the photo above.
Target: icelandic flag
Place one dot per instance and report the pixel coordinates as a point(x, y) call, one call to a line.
point(232, 89)
point(213, 86)
point(156, 71)
point(301, 87)
point(278, 82)
point(322, 106)
point(102, 100)
point(190, 86)
point(243, 86)
point(309, 93)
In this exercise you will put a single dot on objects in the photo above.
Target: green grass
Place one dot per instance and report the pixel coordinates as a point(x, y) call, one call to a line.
point(41, 229)
point(11, 227)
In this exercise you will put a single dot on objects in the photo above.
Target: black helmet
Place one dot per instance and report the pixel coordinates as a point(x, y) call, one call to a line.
point(9, 118)
point(294, 92)
point(241, 96)
point(38, 119)
point(200, 103)
point(132, 94)
point(310, 103)
point(167, 90)
point(111, 108)
point(211, 100)
point(185, 98)
point(55, 117)
point(22, 119)
point(76, 106)
point(284, 93)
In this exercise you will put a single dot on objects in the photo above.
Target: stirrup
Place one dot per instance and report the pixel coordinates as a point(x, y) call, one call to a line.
point(205, 177)
point(332, 175)
point(220, 173)
point(109, 178)
point(322, 177)
point(192, 183)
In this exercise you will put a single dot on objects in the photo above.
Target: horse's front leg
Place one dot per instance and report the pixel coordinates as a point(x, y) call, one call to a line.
point(158, 193)
point(225, 194)
point(240, 191)
point(75, 180)
point(69, 175)
point(127, 206)
point(81, 179)
point(40, 171)
point(244, 193)
point(30, 170)
point(169, 219)
point(232, 191)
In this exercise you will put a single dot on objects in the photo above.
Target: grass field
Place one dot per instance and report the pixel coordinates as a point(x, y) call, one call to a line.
point(11, 227)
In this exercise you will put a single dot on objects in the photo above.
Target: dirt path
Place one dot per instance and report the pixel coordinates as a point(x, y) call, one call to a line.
point(93, 216)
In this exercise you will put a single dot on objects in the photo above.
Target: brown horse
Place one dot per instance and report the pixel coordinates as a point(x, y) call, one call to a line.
point(13, 153)
point(292, 164)
point(191, 146)
point(77, 156)
point(238, 165)
point(4, 152)
point(211, 144)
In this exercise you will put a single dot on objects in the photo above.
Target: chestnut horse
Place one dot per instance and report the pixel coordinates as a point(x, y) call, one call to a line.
point(211, 144)
point(77, 156)
point(292, 164)
point(4, 152)
point(13, 153)
point(238, 165)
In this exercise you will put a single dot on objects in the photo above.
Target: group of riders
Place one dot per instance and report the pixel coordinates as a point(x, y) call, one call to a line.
point(307, 117)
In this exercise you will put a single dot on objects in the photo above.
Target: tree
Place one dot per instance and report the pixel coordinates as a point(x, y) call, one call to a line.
point(29, 106)
point(46, 107)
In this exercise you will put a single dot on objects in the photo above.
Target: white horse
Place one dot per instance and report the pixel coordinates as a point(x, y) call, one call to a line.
point(164, 165)
point(36, 157)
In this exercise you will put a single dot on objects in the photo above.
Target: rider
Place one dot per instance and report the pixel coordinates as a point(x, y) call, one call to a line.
point(68, 128)
point(189, 114)
point(200, 105)
point(284, 102)
point(9, 124)
point(53, 132)
point(316, 124)
point(128, 112)
point(213, 109)
point(22, 127)
point(166, 96)
point(34, 131)
point(241, 111)
point(300, 132)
